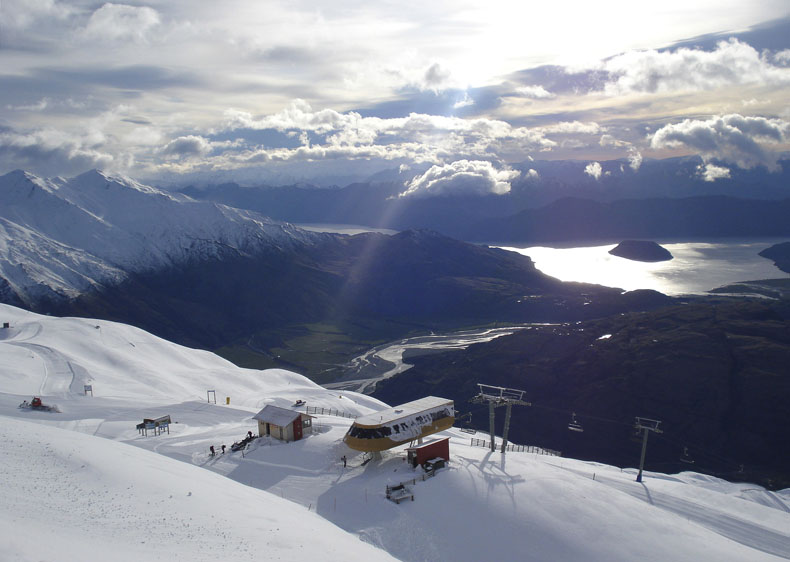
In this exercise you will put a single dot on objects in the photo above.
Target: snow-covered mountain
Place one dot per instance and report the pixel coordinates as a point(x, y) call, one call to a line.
point(59, 237)
point(95, 488)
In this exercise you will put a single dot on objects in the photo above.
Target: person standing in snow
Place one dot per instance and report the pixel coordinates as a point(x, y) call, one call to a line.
point(223, 449)
point(343, 458)
point(212, 450)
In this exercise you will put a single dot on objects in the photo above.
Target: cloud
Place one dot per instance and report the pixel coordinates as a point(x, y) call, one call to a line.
point(52, 152)
point(610, 141)
point(593, 169)
point(711, 172)
point(417, 137)
point(435, 77)
point(534, 92)
point(731, 138)
point(462, 177)
point(121, 22)
point(532, 174)
point(466, 101)
point(573, 128)
point(782, 58)
point(634, 158)
point(40, 105)
point(730, 63)
point(190, 146)
point(23, 14)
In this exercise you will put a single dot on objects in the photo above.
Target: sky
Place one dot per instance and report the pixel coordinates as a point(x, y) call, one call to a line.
point(248, 89)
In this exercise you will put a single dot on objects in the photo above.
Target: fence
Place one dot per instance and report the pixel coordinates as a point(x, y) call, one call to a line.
point(421, 478)
point(517, 448)
point(328, 412)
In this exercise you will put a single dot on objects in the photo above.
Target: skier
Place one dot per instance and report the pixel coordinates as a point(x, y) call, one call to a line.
point(343, 458)
point(249, 435)
point(223, 449)
point(212, 450)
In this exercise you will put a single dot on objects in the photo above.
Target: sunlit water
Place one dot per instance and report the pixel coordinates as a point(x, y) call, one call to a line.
point(696, 268)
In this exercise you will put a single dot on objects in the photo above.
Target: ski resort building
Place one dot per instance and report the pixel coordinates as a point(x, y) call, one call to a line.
point(408, 422)
point(283, 424)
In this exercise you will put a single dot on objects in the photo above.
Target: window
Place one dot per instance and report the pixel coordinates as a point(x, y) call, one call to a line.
point(369, 432)
point(307, 422)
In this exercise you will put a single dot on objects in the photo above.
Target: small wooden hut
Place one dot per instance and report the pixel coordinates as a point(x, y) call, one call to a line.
point(283, 424)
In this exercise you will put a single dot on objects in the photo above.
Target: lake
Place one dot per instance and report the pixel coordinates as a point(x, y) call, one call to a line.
point(697, 267)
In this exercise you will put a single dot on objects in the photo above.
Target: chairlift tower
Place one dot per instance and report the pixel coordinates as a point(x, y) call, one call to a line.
point(645, 425)
point(496, 396)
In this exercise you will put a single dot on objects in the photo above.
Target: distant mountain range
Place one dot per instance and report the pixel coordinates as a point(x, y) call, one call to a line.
point(551, 201)
point(63, 237)
point(568, 220)
point(263, 292)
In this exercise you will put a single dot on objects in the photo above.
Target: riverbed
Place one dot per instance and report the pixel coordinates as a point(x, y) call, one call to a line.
point(390, 359)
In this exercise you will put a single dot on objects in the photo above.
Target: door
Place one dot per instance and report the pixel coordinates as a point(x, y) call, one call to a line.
point(298, 428)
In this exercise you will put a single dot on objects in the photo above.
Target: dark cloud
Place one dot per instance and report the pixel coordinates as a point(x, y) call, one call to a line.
point(559, 80)
point(138, 121)
point(444, 103)
point(190, 146)
point(773, 35)
point(289, 55)
point(132, 78)
point(50, 153)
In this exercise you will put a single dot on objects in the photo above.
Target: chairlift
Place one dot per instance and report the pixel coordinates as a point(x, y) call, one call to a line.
point(686, 458)
point(575, 425)
point(467, 428)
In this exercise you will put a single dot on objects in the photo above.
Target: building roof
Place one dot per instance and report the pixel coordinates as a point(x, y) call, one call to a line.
point(402, 411)
point(428, 443)
point(276, 415)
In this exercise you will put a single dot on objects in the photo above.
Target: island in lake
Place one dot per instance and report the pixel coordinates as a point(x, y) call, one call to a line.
point(641, 250)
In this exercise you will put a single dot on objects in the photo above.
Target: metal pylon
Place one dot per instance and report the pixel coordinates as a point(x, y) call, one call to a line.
point(496, 396)
point(646, 426)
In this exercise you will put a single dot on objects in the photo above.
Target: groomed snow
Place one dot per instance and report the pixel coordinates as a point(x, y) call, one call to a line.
point(84, 485)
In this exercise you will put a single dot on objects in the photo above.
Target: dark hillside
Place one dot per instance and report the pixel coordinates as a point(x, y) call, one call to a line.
point(716, 375)
point(314, 309)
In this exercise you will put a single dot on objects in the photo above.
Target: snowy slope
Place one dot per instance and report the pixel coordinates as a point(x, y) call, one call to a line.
point(521, 506)
point(61, 236)
point(93, 499)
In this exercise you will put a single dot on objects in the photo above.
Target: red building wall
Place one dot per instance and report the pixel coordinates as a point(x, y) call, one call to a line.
point(435, 449)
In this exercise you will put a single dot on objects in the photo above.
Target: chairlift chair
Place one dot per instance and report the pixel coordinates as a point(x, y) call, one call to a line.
point(467, 427)
point(686, 458)
point(575, 425)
